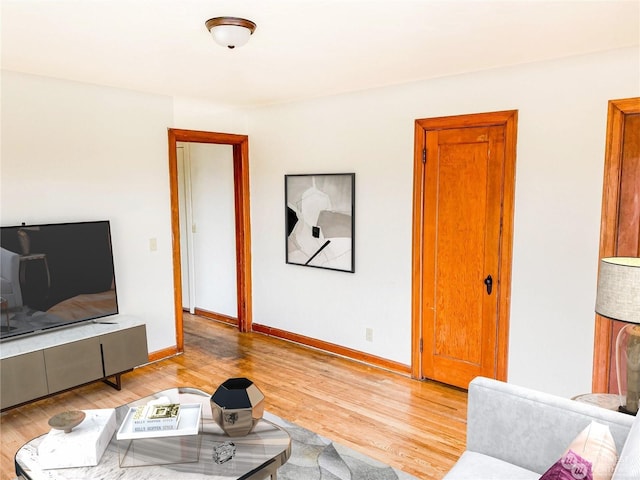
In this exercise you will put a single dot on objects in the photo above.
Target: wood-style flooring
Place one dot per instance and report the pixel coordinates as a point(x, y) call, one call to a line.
point(418, 427)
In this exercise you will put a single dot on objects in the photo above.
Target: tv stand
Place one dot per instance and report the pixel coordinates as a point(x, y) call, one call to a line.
point(45, 364)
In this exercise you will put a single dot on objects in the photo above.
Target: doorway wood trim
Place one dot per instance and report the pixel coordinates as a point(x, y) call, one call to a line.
point(240, 144)
point(617, 111)
point(508, 119)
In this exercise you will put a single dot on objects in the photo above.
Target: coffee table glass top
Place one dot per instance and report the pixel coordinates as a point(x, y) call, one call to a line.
point(258, 454)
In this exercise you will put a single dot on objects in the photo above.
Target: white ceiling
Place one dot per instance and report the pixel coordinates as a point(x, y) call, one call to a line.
point(301, 48)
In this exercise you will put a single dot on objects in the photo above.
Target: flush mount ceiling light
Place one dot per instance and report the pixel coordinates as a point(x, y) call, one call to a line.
point(230, 32)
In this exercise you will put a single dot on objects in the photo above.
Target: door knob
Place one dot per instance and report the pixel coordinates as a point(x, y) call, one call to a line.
point(489, 284)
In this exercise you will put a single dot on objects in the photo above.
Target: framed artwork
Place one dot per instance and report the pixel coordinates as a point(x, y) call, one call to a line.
point(319, 220)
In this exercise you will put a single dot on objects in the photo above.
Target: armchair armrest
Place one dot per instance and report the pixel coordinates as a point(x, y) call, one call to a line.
point(528, 428)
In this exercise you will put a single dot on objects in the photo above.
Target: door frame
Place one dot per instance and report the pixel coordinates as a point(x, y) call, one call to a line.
point(240, 144)
point(617, 111)
point(508, 119)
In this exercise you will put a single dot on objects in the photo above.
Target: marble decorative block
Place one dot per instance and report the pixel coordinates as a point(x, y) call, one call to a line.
point(83, 446)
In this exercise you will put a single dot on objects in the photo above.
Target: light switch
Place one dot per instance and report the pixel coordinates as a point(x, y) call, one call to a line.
point(153, 244)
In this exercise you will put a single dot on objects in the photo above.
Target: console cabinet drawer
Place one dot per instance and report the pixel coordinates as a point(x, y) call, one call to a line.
point(22, 378)
point(73, 364)
point(124, 350)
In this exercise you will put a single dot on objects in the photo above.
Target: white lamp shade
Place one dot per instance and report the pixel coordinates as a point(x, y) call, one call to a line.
point(618, 294)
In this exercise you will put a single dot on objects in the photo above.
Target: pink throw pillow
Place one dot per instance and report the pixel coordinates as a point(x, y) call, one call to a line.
point(570, 467)
point(591, 455)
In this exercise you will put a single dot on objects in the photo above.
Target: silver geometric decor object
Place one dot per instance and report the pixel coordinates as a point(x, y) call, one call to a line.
point(237, 406)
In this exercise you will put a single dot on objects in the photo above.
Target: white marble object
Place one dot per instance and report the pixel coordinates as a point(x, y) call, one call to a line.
point(81, 447)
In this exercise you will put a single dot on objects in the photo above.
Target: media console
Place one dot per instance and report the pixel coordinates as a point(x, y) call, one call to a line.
point(41, 365)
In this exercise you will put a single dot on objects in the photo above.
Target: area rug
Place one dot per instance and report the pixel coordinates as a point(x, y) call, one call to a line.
point(314, 457)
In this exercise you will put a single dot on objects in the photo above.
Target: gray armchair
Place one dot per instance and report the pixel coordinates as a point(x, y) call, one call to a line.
point(515, 433)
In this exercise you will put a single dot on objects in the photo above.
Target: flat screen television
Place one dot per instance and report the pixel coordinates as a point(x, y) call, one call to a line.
point(54, 276)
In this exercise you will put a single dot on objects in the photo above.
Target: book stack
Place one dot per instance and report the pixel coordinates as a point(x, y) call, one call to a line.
point(155, 417)
point(160, 419)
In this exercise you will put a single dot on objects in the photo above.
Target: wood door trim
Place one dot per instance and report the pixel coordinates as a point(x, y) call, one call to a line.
point(617, 110)
point(508, 119)
point(240, 144)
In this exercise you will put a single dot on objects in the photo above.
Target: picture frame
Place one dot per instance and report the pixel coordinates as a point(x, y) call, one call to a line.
point(320, 220)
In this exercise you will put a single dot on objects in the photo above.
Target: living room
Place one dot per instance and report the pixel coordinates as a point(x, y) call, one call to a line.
point(79, 150)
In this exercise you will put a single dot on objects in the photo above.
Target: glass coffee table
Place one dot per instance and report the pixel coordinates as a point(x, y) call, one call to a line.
point(257, 455)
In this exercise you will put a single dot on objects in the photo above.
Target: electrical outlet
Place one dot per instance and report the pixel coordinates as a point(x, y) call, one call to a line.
point(368, 336)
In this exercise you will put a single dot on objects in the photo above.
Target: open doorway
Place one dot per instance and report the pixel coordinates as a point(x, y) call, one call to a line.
point(240, 146)
point(207, 230)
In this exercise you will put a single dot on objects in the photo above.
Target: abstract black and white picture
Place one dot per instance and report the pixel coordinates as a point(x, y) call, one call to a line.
point(319, 220)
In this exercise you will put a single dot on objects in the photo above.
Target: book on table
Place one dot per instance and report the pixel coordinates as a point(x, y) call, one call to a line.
point(147, 418)
point(188, 422)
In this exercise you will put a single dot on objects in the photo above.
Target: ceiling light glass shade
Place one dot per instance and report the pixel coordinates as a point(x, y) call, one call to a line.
point(618, 298)
point(230, 32)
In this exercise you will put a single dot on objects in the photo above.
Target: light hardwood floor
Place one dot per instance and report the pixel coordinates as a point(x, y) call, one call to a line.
point(418, 427)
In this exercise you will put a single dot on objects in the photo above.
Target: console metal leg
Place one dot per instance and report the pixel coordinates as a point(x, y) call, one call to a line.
point(118, 383)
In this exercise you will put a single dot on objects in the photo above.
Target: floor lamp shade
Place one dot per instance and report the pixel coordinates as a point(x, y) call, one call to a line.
point(618, 298)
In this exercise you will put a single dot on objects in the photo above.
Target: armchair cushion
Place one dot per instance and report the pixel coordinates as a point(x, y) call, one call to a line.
point(476, 466)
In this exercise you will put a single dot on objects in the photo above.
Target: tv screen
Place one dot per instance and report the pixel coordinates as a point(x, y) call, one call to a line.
point(55, 275)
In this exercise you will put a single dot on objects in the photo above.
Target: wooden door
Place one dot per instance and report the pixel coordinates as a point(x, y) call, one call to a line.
point(620, 224)
point(466, 197)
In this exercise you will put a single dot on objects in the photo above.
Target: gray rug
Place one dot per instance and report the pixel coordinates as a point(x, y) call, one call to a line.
point(314, 457)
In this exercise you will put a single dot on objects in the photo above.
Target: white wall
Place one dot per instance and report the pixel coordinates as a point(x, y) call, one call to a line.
point(73, 152)
point(82, 151)
point(562, 122)
point(214, 239)
point(193, 114)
